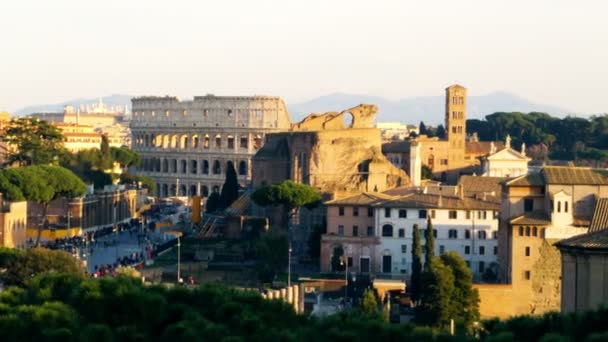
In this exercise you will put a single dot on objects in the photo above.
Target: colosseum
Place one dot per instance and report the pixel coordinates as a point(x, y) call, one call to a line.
point(186, 146)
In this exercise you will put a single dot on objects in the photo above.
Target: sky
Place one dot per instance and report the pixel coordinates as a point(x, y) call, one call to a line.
point(548, 51)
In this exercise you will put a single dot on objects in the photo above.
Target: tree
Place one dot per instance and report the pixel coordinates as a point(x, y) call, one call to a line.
point(369, 304)
point(415, 283)
point(124, 156)
point(436, 306)
point(441, 132)
point(465, 299)
point(290, 195)
point(106, 161)
point(213, 202)
point(42, 184)
point(146, 182)
point(422, 130)
point(230, 189)
point(22, 265)
point(426, 172)
point(429, 235)
point(35, 142)
point(271, 249)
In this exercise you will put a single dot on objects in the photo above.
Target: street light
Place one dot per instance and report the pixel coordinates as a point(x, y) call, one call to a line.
point(177, 234)
point(344, 261)
point(289, 265)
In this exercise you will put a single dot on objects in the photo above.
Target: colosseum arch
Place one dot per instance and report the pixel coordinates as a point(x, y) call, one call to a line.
point(183, 141)
point(205, 167)
point(166, 141)
point(165, 191)
point(206, 140)
point(165, 165)
point(183, 190)
point(158, 141)
point(174, 165)
point(157, 164)
point(204, 191)
point(217, 168)
point(184, 166)
point(174, 141)
point(195, 141)
point(193, 166)
point(243, 168)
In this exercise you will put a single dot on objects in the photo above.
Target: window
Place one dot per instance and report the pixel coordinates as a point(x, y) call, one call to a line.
point(521, 231)
point(341, 230)
point(244, 142)
point(441, 249)
point(387, 212)
point(422, 214)
point(528, 204)
point(482, 250)
point(527, 231)
point(340, 211)
point(495, 250)
point(468, 215)
point(527, 250)
point(482, 266)
point(218, 141)
point(443, 162)
point(355, 211)
point(370, 231)
point(534, 231)
point(481, 234)
point(403, 248)
point(482, 214)
point(566, 206)
point(402, 213)
point(559, 206)
point(467, 249)
point(527, 275)
point(467, 234)
point(355, 230)
point(542, 232)
point(401, 232)
point(453, 214)
point(432, 214)
point(387, 230)
point(453, 234)
point(370, 212)
point(494, 235)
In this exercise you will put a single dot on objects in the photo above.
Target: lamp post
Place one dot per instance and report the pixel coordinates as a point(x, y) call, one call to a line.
point(177, 234)
point(345, 263)
point(289, 265)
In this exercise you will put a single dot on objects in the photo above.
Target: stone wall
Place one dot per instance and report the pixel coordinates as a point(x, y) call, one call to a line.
point(495, 300)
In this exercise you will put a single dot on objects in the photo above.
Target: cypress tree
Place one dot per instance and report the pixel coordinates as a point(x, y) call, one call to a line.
point(415, 285)
point(429, 253)
point(230, 189)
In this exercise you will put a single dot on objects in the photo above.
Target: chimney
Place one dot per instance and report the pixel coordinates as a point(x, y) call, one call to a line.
point(460, 191)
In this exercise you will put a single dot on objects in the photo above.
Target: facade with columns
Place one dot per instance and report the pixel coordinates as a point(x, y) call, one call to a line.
point(506, 162)
point(185, 146)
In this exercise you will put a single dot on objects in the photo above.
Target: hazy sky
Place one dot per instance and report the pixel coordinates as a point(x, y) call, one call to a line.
point(549, 51)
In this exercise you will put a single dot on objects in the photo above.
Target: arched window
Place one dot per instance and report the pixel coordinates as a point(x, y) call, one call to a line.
point(184, 167)
point(243, 168)
point(174, 165)
point(193, 166)
point(387, 230)
point(527, 231)
point(534, 231)
point(559, 206)
point(182, 190)
point(566, 206)
point(157, 162)
point(230, 165)
point(192, 190)
point(205, 191)
point(205, 169)
point(217, 169)
point(165, 191)
point(165, 165)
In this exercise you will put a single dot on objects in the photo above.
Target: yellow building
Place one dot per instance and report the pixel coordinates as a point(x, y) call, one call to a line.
point(13, 218)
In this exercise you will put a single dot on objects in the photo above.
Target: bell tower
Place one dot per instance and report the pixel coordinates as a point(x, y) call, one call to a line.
point(455, 122)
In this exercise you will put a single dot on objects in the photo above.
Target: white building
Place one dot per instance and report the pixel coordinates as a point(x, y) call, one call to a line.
point(506, 162)
point(462, 224)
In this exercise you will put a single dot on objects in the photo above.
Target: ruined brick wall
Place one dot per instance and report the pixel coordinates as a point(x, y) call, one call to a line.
point(495, 300)
point(546, 279)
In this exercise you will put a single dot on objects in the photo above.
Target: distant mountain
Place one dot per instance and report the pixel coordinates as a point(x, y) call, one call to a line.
point(112, 100)
point(412, 110)
point(430, 109)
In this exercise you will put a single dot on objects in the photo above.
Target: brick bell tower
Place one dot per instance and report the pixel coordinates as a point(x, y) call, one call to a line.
point(455, 123)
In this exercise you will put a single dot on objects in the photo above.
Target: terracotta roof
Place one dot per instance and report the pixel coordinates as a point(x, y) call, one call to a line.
point(537, 217)
point(531, 179)
point(575, 175)
point(429, 201)
point(396, 147)
point(600, 216)
point(591, 241)
point(477, 184)
point(365, 198)
point(482, 147)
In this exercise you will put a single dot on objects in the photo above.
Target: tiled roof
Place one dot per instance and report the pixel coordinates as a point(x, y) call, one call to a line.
point(364, 198)
point(482, 147)
point(428, 201)
point(531, 179)
point(591, 241)
point(575, 175)
point(396, 147)
point(600, 216)
point(478, 184)
point(537, 217)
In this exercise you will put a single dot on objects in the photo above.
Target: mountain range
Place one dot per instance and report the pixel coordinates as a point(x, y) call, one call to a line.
point(411, 110)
